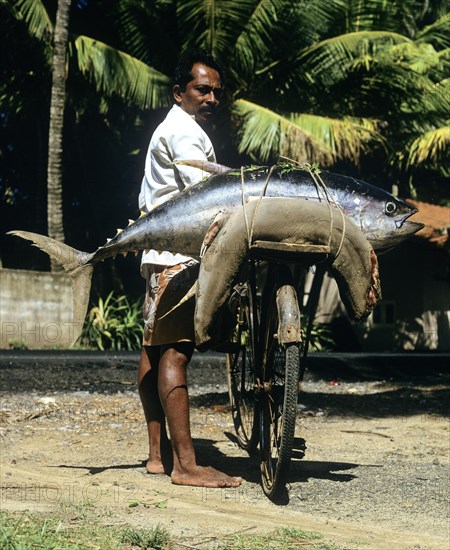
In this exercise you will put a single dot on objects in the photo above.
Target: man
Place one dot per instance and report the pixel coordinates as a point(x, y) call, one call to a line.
point(168, 343)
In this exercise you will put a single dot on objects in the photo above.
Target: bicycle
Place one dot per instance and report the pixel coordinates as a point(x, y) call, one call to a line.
point(267, 365)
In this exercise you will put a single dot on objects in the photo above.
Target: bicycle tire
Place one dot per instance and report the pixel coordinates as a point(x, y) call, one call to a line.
point(278, 401)
point(241, 375)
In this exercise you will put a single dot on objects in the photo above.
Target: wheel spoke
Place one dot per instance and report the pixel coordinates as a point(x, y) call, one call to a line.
point(241, 376)
point(280, 369)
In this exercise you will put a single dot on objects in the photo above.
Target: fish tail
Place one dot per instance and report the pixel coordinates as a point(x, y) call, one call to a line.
point(76, 264)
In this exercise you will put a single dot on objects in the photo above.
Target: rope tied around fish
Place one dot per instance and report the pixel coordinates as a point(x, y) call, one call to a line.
point(321, 188)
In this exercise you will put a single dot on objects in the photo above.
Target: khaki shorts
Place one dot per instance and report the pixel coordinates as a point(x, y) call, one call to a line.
point(164, 290)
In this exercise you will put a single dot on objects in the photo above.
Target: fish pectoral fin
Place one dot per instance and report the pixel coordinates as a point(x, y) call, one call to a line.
point(189, 294)
point(204, 165)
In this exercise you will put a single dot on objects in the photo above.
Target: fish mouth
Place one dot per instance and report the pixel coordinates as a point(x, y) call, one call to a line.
point(408, 226)
point(405, 227)
point(404, 230)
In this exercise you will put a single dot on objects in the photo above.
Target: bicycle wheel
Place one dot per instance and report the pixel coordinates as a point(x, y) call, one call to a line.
point(241, 374)
point(280, 386)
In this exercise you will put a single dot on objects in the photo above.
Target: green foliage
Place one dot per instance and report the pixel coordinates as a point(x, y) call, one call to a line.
point(132, 79)
point(25, 531)
point(114, 324)
point(321, 337)
point(17, 344)
point(157, 538)
point(303, 137)
point(22, 532)
point(339, 82)
point(31, 531)
point(283, 538)
point(35, 15)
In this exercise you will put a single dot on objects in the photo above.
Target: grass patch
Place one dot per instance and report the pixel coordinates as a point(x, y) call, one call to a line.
point(283, 538)
point(25, 531)
point(79, 510)
point(157, 538)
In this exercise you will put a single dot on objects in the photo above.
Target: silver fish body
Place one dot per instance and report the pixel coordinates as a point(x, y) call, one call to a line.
point(180, 224)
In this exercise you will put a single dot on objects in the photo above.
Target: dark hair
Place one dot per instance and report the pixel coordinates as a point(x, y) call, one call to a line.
point(183, 73)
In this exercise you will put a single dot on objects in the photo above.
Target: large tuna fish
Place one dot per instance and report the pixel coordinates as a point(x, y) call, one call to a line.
point(180, 224)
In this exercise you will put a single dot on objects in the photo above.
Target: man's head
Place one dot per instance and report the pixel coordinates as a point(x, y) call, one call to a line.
point(198, 84)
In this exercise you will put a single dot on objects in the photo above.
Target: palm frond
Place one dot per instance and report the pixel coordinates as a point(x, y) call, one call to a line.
point(430, 148)
point(259, 130)
point(372, 15)
point(419, 57)
point(420, 94)
point(254, 41)
point(211, 24)
point(438, 70)
point(144, 29)
point(346, 138)
point(115, 72)
point(35, 15)
point(330, 59)
point(438, 33)
point(265, 134)
point(322, 18)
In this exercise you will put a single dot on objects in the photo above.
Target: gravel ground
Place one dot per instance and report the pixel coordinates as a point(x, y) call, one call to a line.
point(375, 473)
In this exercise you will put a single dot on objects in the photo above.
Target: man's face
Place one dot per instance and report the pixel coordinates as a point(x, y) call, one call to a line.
point(202, 94)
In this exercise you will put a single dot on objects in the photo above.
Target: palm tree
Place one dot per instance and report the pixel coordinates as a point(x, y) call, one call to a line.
point(54, 171)
point(132, 79)
point(41, 27)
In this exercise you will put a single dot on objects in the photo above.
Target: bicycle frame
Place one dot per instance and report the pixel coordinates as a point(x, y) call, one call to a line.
point(264, 397)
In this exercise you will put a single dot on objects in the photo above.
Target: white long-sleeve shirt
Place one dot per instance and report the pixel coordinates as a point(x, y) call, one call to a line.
point(178, 137)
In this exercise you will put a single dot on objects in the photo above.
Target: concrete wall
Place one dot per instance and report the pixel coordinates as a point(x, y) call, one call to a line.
point(35, 309)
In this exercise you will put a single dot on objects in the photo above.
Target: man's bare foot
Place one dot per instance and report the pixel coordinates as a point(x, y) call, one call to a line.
point(155, 467)
point(201, 476)
point(160, 464)
point(160, 460)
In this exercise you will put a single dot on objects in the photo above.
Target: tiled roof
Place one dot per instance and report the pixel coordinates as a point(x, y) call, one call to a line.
point(436, 220)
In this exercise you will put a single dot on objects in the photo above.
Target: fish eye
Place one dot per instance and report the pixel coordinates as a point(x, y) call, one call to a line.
point(390, 207)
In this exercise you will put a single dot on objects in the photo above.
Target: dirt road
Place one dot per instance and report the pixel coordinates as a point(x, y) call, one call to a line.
point(375, 474)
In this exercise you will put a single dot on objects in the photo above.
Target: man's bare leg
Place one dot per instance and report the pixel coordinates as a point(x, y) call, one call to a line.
point(173, 392)
point(160, 454)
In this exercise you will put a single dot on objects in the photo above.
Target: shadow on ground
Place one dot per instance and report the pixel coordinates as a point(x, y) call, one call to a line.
point(394, 402)
point(248, 467)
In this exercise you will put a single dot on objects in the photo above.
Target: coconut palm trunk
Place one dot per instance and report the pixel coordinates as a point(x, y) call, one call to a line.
point(54, 167)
